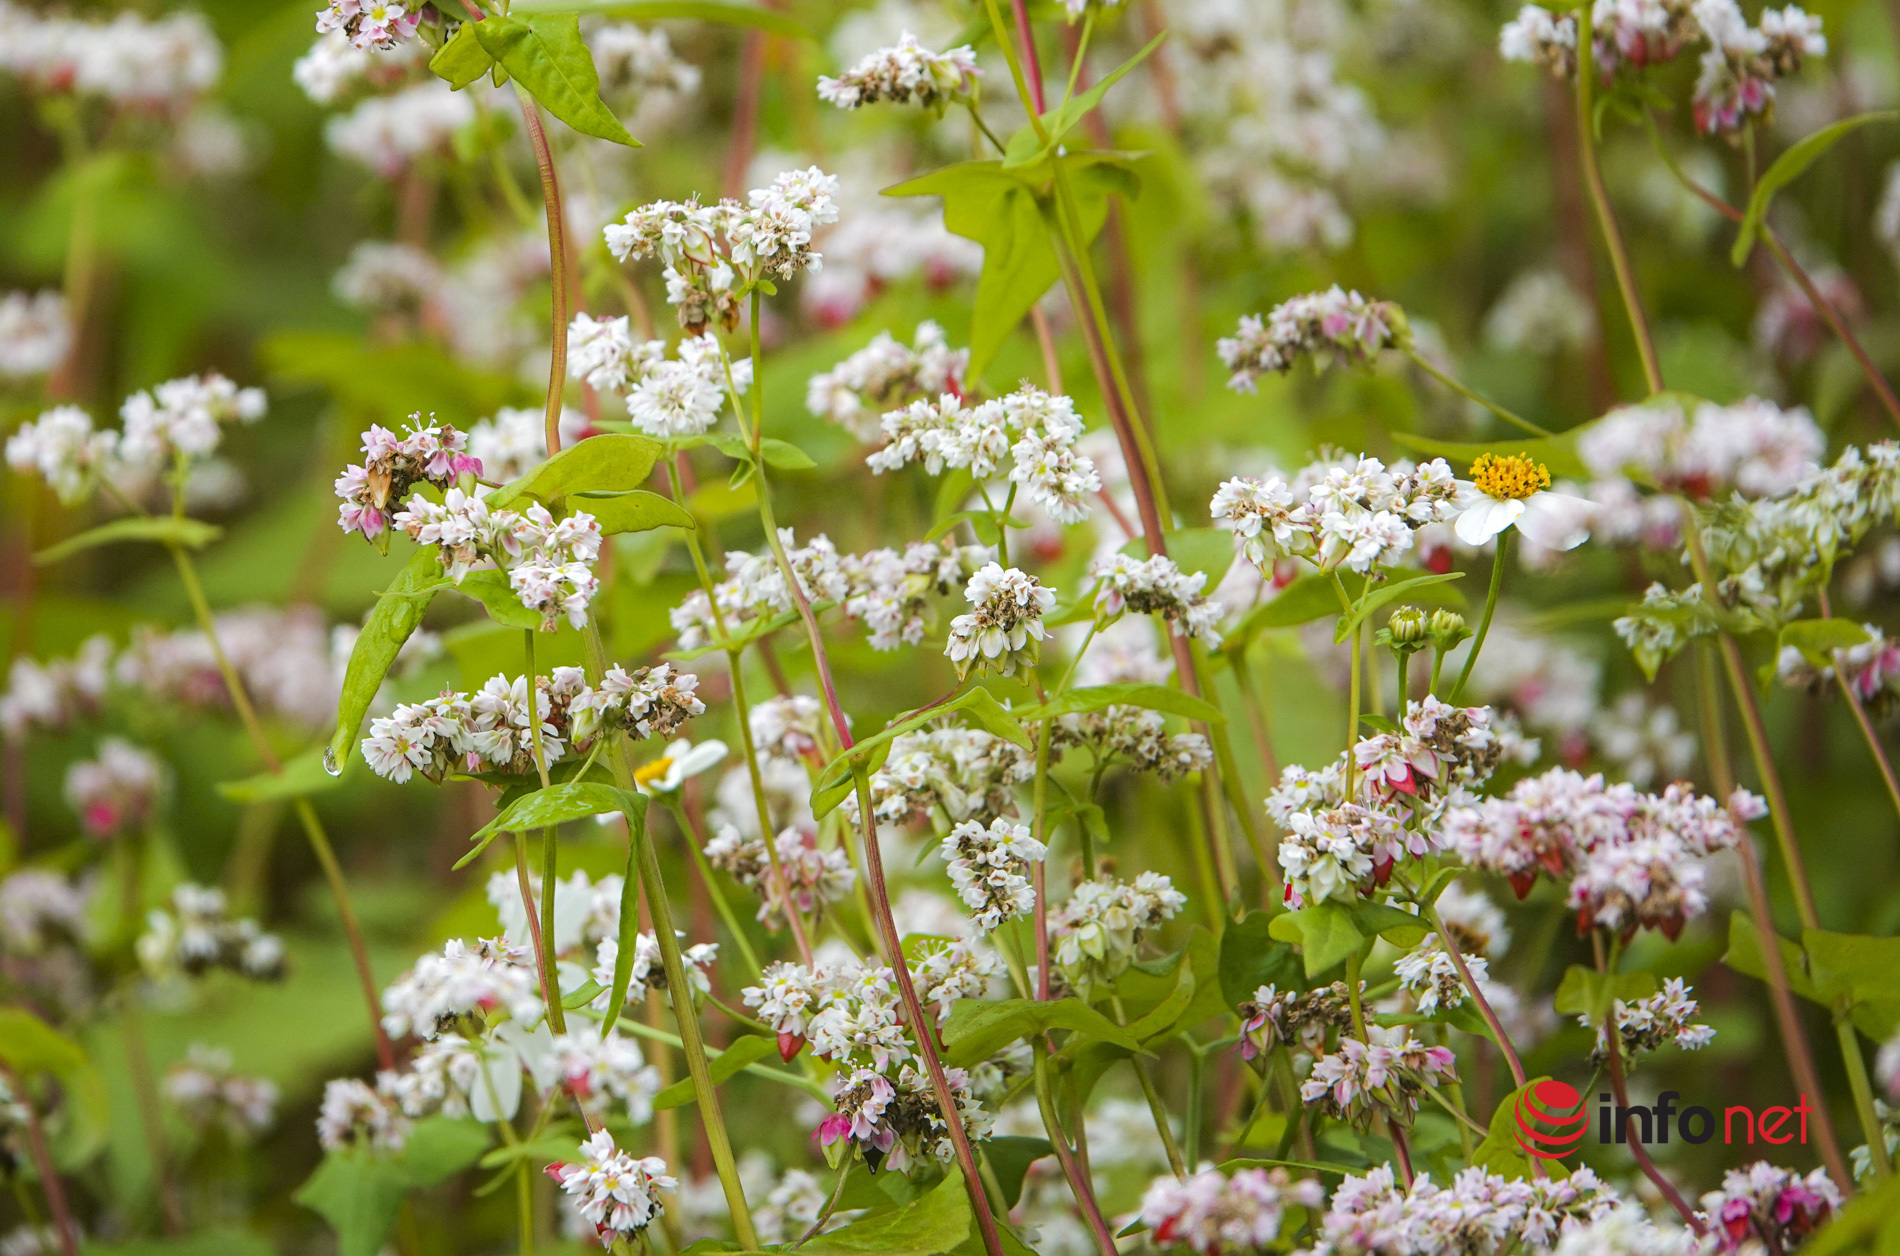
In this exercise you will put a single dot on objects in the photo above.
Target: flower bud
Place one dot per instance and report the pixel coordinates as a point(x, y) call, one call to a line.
point(1407, 626)
point(1447, 629)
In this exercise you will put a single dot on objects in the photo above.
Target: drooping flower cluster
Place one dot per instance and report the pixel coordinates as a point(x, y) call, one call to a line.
point(848, 1012)
point(904, 73)
point(716, 254)
point(1034, 431)
point(989, 866)
point(1211, 1213)
point(389, 134)
point(814, 878)
point(1478, 1213)
point(490, 730)
point(433, 453)
point(370, 25)
point(1003, 630)
point(1098, 932)
point(549, 561)
point(1134, 737)
point(964, 773)
point(1430, 975)
point(1762, 1203)
point(1334, 325)
point(117, 792)
point(34, 333)
point(210, 1094)
point(617, 1193)
point(649, 968)
point(355, 1115)
point(1387, 1074)
point(1648, 1023)
point(885, 375)
point(1295, 1018)
point(197, 934)
point(494, 977)
point(889, 590)
point(1350, 512)
point(1157, 586)
point(895, 1123)
point(1634, 860)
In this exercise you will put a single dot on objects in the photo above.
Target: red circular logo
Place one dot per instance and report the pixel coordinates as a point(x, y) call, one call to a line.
point(1550, 1119)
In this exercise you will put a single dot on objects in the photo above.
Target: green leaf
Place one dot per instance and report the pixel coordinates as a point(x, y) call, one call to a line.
point(498, 598)
point(746, 1051)
point(629, 924)
point(1380, 596)
point(1854, 967)
point(1058, 122)
point(1152, 991)
point(977, 705)
point(359, 1194)
point(1251, 957)
point(1309, 597)
point(1559, 453)
point(192, 534)
point(1788, 167)
point(1101, 697)
point(29, 1045)
point(728, 14)
point(1586, 992)
point(582, 995)
point(395, 616)
point(932, 1226)
point(1745, 956)
point(1010, 1156)
point(978, 1030)
point(556, 805)
point(611, 463)
point(1004, 211)
point(1499, 1152)
point(301, 776)
point(784, 455)
point(547, 57)
point(1401, 928)
point(632, 510)
point(461, 59)
point(553, 1147)
point(1325, 932)
point(1817, 639)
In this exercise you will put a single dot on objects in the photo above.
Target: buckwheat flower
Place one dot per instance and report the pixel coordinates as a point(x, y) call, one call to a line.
point(601, 1072)
point(375, 25)
point(895, 1123)
point(1157, 586)
point(494, 977)
point(1337, 325)
point(115, 793)
point(1540, 312)
point(1099, 930)
point(431, 453)
point(787, 997)
point(947, 972)
point(181, 418)
point(1303, 1019)
point(859, 1022)
point(1481, 1213)
point(1649, 1023)
point(1432, 979)
point(355, 1115)
point(787, 725)
point(34, 333)
point(906, 72)
point(37, 909)
point(387, 134)
point(513, 441)
point(649, 969)
point(1514, 489)
point(1762, 1203)
point(1210, 1213)
point(209, 1093)
point(616, 1193)
point(1055, 476)
point(1003, 631)
point(64, 450)
point(1753, 447)
point(676, 398)
point(604, 354)
point(195, 934)
point(642, 61)
point(885, 375)
point(1264, 516)
point(1389, 1073)
point(990, 869)
point(383, 276)
point(1627, 1231)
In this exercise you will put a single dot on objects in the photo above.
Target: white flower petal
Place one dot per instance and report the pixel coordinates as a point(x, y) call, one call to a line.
point(1556, 521)
point(1486, 518)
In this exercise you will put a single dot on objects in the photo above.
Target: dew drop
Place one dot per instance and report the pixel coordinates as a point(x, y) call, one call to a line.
point(330, 764)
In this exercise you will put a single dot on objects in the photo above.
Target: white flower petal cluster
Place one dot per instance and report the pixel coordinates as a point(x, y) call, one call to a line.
point(549, 561)
point(196, 934)
point(815, 878)
point(514, 440)
point(643, 62)
point(601, 1072)
point(1003, 630)
point(666, 397)
point(885, 375)
point(116, 793)
point(1648, 1023)
point(1430, 976)
point(1098, 931)
point(848, 1011)
point(35, 333)
point(1346, 512)
point(1387, 1074)
point(370, 25)
point(209, 1093)
point(494, 977)
point(426, 453)
point(1157, 586)
point(989, 866)
point(905, 73)
point(1210, 1213)
point(755, 588)
point(355, 1115)
point(54, 694)
point(334, 65)
point(1033, 431)
point(649, 968)
point(1477, 1213)
point(384, 276)
point(155, 65)
point(617, 1193)
point(965, 773)
point(1334, 325)
point(1752, 447)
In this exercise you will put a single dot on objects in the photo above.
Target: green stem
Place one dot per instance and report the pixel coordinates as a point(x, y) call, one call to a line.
point(724, 908)
point(543, 930)
point(1425, 364)
point(1156, 1108)
point(1870, 1127)
point(1484, 621)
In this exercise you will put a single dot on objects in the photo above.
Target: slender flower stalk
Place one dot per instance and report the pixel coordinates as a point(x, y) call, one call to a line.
point(557, 265)
point(1613, 1037)
point(542, 927)
point(1522, 424)
point(1079, 1183)
point(50, 1182)
point(1867, 731)
point(1484, 622)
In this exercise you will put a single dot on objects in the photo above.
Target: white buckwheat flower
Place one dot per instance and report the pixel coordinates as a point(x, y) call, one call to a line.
point(1004, 630)
point(616, 1193)
point(906, 72)
point(990, 869)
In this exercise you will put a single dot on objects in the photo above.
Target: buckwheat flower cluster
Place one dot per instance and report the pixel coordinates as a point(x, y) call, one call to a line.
point(1438, 751)
point(755, 588)
point(989, 866)
point(1210, 1213)
point(617, 1193)
point(715, 254)
point(385, 277)
point(848, 1011)
point(1634, 860)
point(1003, 630)
point(39, 909)
point(642, 61)
point(1157, 586)
point(355, 1115)
point(433, 453)
point(889, 590)
point(1646, 740)
point(1134, 737)
point(1430, 976)
point(370, 25)
point(666, 397)
point(388, 134)
point(1753, 447)
point(197, 934)
point(443, 990)
point(285, 658)
point(1387, 1074)
point(905, 73)
point(886, 375)
point(34, 333)
point(117, 792)
point(1477, 1214)
point(1294, 1018)
point(787, 726)
point(334, 65)
point(1739, 69)
point(948, 971)
point(62, 448)
point(1649, 1023)
point(1034, 431)
point(164, 64)
point(814, 878)
point(1098, 932)
point(1776, 1207)
point(182, 419)
point(1628, 1231)
point(1872, 669)
point(966, 773)
point(1333, 325)
point(895, 1123)
point(210, 1094)
point(1340, 511)
point(513, 441)
point(600, 1072)
point(549, 561)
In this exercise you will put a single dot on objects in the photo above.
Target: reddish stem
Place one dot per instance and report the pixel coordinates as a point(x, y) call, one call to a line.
point(49, 1175)
point(557, 267)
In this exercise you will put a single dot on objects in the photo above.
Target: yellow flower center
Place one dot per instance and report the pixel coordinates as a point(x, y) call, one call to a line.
point(647, 773)
point(1510, 478)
